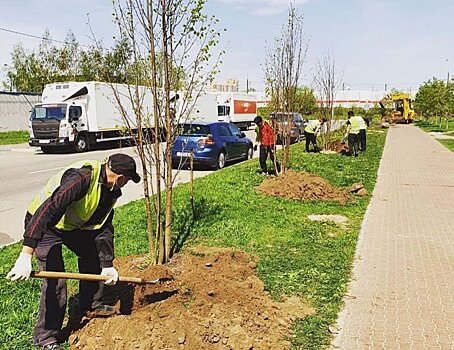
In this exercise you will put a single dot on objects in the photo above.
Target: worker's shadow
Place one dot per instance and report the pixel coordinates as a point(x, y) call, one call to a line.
point(119, 296)
point(122, 296)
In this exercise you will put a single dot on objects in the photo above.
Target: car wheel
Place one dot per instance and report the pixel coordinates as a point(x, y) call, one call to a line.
point(81, 144)
point(220, 163)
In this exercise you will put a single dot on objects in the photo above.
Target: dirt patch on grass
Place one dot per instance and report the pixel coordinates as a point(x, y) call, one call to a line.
point(215, 301)
point(302, 186)
point(338, 219)
point(338, 147)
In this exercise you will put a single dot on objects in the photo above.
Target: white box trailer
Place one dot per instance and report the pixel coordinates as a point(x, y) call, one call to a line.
point(81, 114)
point(201, 108)
point(237, 108)
point(231, 107)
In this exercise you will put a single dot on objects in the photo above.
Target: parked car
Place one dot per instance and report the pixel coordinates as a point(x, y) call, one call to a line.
point(280, 123)
point(213, 144)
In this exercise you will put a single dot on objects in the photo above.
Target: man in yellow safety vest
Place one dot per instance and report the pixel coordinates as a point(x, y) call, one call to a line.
point(353, 131)
point(75, 208)
point(311, 130)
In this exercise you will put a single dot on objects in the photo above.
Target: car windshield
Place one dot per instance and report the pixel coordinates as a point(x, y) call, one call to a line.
point(194, 130)
point(57, 112)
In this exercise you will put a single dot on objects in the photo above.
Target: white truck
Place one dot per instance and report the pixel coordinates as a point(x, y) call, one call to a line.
point(237, 108)
point(201, 108)
point(231, 107)
point(82, 114)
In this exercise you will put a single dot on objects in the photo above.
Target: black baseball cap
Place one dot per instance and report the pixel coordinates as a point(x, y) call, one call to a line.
point(258, 119)
point(122, 164)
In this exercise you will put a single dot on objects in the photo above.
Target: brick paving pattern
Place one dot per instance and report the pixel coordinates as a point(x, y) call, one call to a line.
point(402, 292)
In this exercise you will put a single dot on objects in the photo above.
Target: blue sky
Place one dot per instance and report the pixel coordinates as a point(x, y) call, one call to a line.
point(374, 42)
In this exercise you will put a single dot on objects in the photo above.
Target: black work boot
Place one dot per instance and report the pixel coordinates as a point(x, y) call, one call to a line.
point(102, 311)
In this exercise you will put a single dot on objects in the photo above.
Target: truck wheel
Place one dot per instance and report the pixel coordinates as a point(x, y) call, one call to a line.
point(220, 163)
point(81, 144)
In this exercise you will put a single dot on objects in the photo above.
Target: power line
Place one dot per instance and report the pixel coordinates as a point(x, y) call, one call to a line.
point(36, 37)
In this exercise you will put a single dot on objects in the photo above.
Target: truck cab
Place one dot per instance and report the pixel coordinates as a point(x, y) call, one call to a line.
point(57, 124)
point(224, 113)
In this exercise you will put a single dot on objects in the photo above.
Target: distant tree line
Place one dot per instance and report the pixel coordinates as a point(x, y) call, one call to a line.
point(435, 98)
point(30, 71)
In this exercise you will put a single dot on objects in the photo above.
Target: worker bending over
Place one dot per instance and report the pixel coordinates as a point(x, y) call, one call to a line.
point(311, 131)
point(75, 208)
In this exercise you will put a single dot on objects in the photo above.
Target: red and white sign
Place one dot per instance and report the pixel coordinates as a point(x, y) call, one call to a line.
point(244, 107)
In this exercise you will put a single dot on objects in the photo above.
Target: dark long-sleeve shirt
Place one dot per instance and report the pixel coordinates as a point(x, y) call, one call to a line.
point(73, 186)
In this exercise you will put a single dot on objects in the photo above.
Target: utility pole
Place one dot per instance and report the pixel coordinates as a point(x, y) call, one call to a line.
point(247, 84)
point(447, 78)
point(447, 109)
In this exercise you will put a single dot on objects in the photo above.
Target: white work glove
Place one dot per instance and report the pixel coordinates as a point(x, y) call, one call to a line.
point(110, 272)
point(22, 268)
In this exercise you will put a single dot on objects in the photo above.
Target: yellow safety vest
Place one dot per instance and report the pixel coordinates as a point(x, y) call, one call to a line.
point(78, 212)
point(312, 126)
point(354, 125)
point(361, 121)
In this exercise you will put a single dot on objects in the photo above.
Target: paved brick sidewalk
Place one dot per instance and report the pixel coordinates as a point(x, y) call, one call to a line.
point(402, 292)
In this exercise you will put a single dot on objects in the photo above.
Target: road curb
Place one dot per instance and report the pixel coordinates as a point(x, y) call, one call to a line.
point(23, 150)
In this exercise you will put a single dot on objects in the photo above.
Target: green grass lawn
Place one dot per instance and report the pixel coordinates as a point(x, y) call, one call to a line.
point(297, 256)
point(448, 143)
point(13, 137)
point(433, 125)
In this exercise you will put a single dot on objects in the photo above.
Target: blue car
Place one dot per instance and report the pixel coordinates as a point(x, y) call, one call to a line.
point(213, 144)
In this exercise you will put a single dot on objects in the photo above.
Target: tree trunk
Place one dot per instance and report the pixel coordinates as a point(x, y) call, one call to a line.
point(169, 134)
point(191, 182)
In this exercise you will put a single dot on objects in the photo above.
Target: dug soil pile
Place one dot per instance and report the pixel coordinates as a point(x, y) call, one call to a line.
point(215, 301)
point(338, 147)
point(302, 186)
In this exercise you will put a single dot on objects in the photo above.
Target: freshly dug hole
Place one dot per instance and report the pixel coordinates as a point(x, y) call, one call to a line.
point(214, 302)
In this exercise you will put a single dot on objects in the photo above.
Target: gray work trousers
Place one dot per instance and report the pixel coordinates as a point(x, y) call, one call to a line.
point(52, 304)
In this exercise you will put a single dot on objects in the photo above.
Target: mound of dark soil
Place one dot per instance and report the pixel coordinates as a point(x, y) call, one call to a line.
point(214, 301)
point(302, 186)
point(338, 147)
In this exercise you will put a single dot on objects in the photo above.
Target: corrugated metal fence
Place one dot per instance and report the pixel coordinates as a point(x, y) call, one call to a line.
point(15, 110)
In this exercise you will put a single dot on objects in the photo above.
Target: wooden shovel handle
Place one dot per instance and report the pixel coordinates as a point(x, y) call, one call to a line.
point(82, 276)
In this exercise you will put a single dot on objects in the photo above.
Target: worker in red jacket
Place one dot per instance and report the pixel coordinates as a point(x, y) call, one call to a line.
point(266, 138)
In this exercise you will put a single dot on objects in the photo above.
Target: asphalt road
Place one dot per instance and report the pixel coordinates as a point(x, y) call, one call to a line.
point(25, 170)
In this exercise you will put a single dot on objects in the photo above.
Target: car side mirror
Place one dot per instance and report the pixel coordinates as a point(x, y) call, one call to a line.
point(242, 135)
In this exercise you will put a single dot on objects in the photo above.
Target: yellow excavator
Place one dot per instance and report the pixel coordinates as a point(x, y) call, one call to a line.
point(401, 110)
